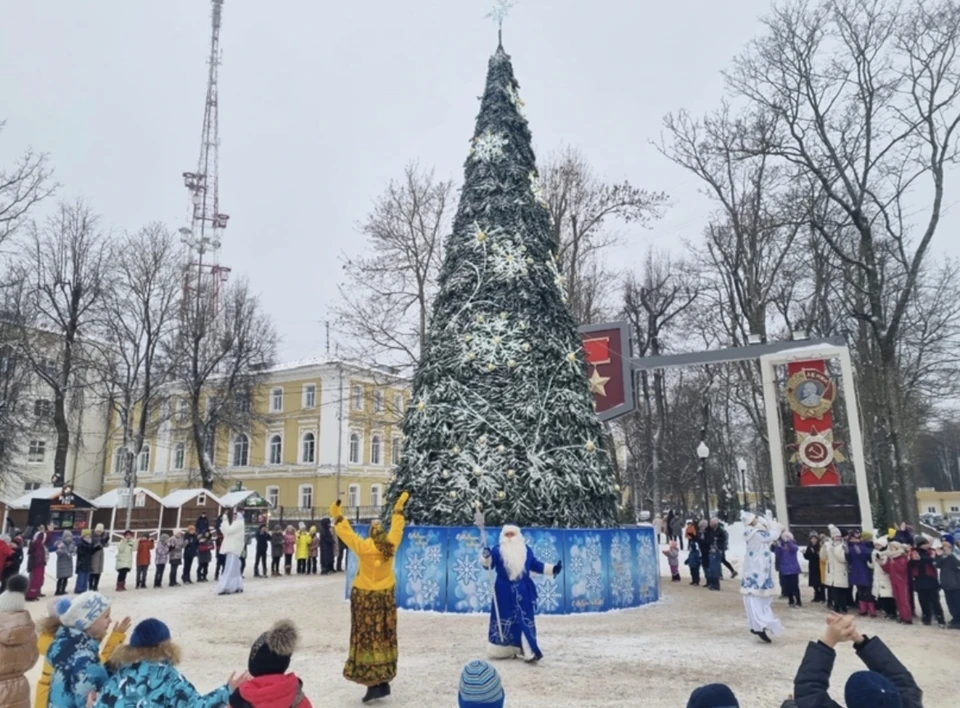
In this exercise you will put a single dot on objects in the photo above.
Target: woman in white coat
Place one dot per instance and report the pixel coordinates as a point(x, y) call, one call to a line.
point(882, 585)
point(757, 585)
point(837, 580)
point(234, 536)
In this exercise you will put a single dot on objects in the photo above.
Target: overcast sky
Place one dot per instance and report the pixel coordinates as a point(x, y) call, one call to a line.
point(321, 103)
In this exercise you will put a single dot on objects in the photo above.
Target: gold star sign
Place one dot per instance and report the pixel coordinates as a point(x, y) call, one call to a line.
point(598, 383)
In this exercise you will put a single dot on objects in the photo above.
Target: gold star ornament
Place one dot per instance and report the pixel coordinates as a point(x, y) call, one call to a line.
point(598, 383)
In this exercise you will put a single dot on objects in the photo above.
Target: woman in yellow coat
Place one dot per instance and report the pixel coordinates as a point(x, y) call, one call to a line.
point(48, 626)
point(303, 549)
point(372, 661)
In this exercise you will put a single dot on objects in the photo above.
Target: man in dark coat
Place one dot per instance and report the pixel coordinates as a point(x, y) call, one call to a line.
point(191, 546)
point(812, 554)
point(723, 538)
point(327, 547)
point(886, 674)
point(203, 524)
point(705, 536)
point(263, 543)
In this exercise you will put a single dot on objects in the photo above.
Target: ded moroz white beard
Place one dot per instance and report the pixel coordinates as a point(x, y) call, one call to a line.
point(513, 551)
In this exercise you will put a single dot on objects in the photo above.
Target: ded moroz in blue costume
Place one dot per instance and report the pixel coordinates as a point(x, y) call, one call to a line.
point(513, 626)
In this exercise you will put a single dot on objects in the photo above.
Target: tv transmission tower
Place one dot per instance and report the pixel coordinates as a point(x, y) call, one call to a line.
point(204, 272)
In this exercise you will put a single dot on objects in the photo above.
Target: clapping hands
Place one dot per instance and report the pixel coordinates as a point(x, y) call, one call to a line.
point(841, 628)
point(233, 683)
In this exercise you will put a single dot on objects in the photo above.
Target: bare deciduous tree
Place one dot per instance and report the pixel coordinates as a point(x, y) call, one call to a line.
point(140, 314)
point(862, 100)
point(581, 205)
point(220, 355)
point(24, 184)
point(387, 295)
point(64, 268)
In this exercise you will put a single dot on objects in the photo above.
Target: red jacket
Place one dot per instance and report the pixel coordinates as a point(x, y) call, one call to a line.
point(272, 691)
point(5, 552)
point(37, 557)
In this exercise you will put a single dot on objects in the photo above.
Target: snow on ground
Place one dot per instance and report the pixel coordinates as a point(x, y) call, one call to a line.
point(653, 656)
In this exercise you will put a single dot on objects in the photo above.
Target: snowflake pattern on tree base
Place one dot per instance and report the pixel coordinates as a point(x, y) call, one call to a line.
point(439, 569)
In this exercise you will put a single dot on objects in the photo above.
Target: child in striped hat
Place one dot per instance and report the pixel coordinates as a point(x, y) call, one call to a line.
point(480, 686)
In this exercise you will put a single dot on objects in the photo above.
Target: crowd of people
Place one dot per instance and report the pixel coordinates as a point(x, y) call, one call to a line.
point(180, 558)
point(888, 575)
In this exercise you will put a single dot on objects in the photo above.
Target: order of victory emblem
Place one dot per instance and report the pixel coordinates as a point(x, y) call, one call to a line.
point(810, 393)
point(817, 451)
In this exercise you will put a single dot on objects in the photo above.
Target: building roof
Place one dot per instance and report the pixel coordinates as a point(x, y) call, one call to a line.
point(112, 498)
point(179, 497)
point(231, 499)
point(42, 493)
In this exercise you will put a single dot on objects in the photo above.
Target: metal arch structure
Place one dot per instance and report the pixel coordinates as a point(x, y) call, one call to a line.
point(770, 355)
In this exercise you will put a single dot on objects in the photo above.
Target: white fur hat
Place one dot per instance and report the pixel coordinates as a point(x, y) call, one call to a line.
point(834, 531)
point(85, 610)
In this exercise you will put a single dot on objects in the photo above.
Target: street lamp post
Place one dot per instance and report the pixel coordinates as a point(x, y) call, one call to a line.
point(742, 467)
point(703, 452)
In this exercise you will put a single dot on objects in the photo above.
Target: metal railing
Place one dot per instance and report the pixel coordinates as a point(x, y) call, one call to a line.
point(356, 514)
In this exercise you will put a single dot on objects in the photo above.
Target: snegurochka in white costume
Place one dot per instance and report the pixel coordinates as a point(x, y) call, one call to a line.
point(757, 585)
point(513, 626)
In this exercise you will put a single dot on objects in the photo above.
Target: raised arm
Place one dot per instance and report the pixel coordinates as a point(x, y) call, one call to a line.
point(397, 521)
point(343, 529)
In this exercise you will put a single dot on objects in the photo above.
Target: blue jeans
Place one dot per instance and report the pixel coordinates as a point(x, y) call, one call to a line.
point(83, 578)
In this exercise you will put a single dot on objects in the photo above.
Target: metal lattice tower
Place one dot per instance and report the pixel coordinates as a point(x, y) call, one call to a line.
point(203, 237)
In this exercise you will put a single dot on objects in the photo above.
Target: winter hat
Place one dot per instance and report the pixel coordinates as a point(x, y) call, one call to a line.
point(271, 653)
point(948, 538)
point(480, 686)
point(714, 695)
point(882, 542)
point(14, 600)
point(868, 689)
point(98, 528)
point(303, 526)
point(149, 633)
point(867, 535)
point(84, 611)
point(921, 541)
point(834, 531)
point(85, 533)
point(58, 606)
point(127, 533)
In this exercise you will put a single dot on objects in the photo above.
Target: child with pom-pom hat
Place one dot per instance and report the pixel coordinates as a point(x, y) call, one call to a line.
point(269, 661)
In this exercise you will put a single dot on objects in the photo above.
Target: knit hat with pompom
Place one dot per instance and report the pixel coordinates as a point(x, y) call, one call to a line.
point(13, 599)
point(868, 689)
point(271, 653)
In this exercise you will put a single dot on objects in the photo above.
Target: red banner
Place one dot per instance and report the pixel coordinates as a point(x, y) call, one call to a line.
point(811, 394)
point(607, 351)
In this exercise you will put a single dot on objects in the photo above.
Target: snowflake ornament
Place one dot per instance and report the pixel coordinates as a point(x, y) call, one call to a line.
point(434, 554)
point(537, 189)
point(508, 261)
point(416, 567)
point(467, 570)
point(558, 278)
point(488, 147)
point(549, 595)
point(514, 97)
point(430, 592)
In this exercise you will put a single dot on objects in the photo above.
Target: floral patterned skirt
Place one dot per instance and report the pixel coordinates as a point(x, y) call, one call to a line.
point(373, 637)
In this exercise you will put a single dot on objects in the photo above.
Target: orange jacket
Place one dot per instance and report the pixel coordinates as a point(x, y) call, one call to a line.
point(144, 546)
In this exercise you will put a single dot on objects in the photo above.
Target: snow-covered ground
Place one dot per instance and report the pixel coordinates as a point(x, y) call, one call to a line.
point(653, 656)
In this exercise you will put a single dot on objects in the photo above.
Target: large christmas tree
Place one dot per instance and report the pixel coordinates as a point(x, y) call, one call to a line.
point(501, 412)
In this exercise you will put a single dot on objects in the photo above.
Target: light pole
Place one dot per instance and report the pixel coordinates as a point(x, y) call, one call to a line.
point(742, 467)
point(703, 452)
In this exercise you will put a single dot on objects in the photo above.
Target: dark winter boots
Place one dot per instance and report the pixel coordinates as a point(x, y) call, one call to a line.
point(762, 636)
point(377, 692)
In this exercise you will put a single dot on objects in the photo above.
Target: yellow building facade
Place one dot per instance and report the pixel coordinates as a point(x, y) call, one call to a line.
point(930, 501)
point(323, 430)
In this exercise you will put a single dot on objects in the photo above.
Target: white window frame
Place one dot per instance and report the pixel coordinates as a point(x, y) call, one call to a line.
point(183, 410)
point(179, 451)
point(931, 510)
point(30, 486)
point(379, 400)
point(272, 495)
point(396, 450)
point(270, 437)
point(118, 460)
point(353, 496)
point(201, 499)
point(243, 460)
point(954, 509)
point(42, 408)
point(376, 449)
point(275, 393)
point(376, 495)
point(355, 448)
point(36, 452)
point(309, 395)
point(143, 459)
point(300, 492)
point(303, 442)
point(356, 397)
